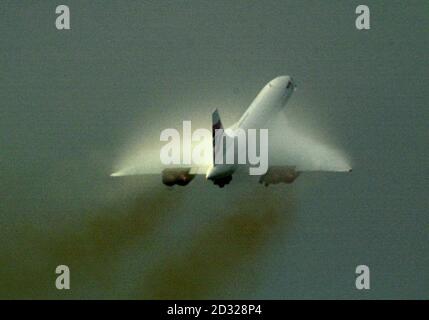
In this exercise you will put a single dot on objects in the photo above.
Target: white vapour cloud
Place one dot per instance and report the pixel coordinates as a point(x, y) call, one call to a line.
point(292, 144)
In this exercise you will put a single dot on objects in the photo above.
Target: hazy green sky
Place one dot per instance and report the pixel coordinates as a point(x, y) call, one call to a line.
point(73, 102)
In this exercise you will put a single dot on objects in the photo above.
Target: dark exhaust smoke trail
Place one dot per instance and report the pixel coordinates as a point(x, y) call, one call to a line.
point(121, 251)
point(218, 250)
point(92, 252)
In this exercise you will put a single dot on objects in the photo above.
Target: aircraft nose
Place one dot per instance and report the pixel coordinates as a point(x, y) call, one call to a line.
point(280, 82)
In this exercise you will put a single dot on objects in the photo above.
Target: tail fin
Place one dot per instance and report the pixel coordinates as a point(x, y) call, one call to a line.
point(216, 125)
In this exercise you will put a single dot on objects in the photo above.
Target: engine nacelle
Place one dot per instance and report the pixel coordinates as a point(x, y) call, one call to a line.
point(279, 174)
point(181, 177)
point(221, 182)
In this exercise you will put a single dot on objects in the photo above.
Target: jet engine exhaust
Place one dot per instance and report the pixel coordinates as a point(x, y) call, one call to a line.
point(221, 182)
point(279, 174)
point(181, 177)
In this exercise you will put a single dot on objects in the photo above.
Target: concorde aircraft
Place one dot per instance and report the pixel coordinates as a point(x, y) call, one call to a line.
point(268, 103)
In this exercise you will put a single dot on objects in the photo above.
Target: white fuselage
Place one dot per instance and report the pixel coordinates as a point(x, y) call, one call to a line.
point(270, 100)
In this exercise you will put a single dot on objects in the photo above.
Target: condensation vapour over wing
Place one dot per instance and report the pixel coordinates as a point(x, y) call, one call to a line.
point(297, 144)
point(291, 142)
